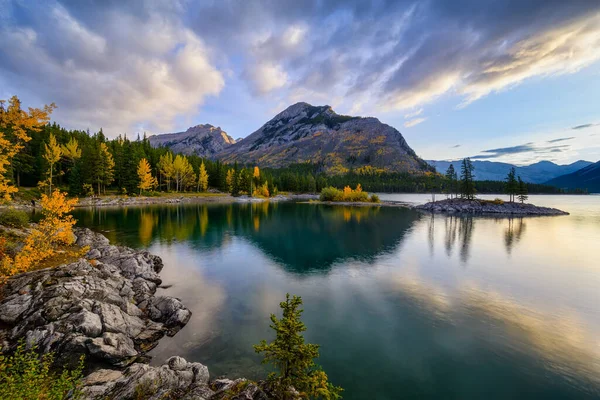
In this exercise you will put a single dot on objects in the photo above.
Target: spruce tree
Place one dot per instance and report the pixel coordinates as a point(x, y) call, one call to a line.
point(511, 186)
point(467, 187)
point(522, 190)
point(293, 358)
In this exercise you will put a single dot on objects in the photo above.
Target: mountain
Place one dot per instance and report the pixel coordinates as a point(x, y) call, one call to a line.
point(305, 133)
point(539, 172)
point(201, 140)
point(586, 178)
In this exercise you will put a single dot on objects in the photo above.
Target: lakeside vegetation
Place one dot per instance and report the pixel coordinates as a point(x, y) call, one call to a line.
point(347, 195)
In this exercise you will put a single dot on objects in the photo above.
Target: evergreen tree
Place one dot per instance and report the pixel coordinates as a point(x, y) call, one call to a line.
point(467, 187)
point(452, 178)
point(235, 187)
point(293, 358)
point(106, 168)
point(512, 186)
point(522, 190)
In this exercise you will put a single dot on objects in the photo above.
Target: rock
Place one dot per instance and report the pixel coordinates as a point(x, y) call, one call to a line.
point(177, 378)
point(91, 308)
point(463, 206)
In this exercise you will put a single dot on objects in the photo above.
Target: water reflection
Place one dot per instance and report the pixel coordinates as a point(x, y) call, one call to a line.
point(301, 237)
point(513, 233)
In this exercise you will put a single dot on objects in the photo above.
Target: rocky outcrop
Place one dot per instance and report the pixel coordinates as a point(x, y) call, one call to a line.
point(317, 134)
point(461, 206)
point(201, 140)
point(103, 306)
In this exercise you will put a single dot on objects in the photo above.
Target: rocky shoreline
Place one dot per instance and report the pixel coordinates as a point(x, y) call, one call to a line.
point(462, 206)
point(105, 307)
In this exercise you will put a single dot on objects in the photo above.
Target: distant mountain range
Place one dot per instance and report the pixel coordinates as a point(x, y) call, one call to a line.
point(539, 172)
point(304, 133)
point(585, 178)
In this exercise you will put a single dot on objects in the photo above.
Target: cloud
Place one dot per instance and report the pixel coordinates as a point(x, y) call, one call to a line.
point(524, 148)
point(148, 64)
point(266, 77)
point(455, 146)
point(561, 139)
point(584, 126)
point(414, 122)
point(111, 69)
point(414, 114)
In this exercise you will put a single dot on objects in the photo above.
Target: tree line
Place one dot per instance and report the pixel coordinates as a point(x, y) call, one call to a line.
point(87, 164)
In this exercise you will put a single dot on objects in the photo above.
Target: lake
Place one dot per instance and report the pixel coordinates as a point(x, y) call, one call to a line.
point(404, 305)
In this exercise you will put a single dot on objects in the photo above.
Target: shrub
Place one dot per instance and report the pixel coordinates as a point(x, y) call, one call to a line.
point(261, 191)
point(498, 202)
point(374, 198)
point(333, 194)
point(14, 218)
point(26, 375)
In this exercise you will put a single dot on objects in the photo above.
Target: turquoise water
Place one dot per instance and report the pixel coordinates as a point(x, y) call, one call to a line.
point(404, 305)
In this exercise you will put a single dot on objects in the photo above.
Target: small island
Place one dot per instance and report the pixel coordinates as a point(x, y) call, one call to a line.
point(465, 202)
point(478, 206)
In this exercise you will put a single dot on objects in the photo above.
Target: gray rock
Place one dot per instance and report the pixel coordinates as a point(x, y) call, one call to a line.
point(87, 323)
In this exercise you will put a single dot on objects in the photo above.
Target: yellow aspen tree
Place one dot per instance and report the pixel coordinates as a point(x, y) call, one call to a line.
point(14, 126)
point(229, 179)
point(106, 173)
point(166, 168)
point(52, 155)
point(71, 150)
point(256, 173)
point(147, 181)
point(202, 178)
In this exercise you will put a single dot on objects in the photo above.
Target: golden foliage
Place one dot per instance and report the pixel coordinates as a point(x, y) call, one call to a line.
point(261, 191)
point(202, 178)
point(71, 150)
point(147, 181)
point(256, 173)
point(55, 229)
point(229, 179)
point(14, 126)
point(52, 155)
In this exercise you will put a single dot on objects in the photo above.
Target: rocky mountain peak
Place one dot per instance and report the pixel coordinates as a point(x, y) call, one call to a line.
point(204, 140)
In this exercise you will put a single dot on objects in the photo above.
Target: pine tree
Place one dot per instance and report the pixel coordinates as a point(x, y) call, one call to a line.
point(147, 181)
point(522, 190)
point(202, 178)
point(106, 170)
point(235, 187)
point(293, 358)
point(511, 186)
point(467, 187)
point(52, 155)
point(451, 177)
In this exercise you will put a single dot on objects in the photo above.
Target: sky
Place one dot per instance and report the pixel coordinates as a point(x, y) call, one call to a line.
point(513, 81)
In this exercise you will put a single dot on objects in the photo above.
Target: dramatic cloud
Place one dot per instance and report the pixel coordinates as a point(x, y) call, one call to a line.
point(120, 70)
point(147, 64)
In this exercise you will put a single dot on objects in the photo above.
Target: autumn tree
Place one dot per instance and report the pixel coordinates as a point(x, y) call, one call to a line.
point(202, 178)
point(183, 172)
point(71, 150)
point(106, 168)
point(15, 123)
point(52, 155)
point(293, 358)
point(147, 181)
point(229, 179)
point(166, 168)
